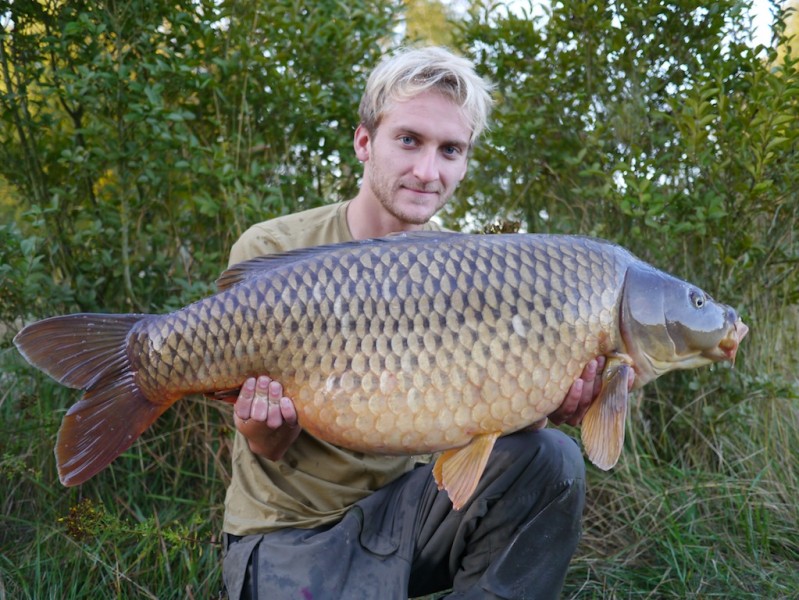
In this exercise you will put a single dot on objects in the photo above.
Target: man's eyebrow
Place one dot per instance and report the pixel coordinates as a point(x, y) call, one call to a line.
point(457, 143)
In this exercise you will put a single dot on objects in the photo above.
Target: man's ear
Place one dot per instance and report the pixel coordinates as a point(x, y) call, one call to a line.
point(361, 143)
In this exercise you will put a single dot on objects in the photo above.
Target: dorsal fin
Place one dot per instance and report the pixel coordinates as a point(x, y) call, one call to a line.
point(263, 264)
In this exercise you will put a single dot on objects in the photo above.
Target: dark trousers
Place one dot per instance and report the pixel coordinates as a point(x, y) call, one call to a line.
point(513, 539)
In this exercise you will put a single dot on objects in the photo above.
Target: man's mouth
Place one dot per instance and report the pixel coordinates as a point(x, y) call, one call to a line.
point(423, 190)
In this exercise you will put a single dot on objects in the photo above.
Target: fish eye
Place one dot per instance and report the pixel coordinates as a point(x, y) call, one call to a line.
point(697, 298)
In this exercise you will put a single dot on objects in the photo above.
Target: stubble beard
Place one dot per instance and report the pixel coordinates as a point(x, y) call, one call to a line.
point(386, 194)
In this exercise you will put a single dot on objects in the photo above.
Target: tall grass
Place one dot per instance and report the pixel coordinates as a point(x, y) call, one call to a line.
point(147, 527)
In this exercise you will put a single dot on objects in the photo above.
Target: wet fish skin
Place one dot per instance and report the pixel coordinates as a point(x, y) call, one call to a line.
point(408, 344)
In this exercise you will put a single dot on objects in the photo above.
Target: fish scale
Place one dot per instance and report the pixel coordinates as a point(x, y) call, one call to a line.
point(409, 344)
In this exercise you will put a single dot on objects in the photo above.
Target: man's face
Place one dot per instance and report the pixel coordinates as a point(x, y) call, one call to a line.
point(417, 156)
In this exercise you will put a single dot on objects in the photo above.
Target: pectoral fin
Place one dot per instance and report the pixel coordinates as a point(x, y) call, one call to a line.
point(603, 424)
point(459, 470)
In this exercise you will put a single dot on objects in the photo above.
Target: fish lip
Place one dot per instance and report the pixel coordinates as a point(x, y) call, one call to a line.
point(728, 346)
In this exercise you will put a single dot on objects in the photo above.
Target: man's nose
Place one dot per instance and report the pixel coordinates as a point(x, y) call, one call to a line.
point(426, 166)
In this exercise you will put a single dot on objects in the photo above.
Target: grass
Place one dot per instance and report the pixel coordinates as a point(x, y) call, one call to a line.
point(148, 527)
point(702, 504)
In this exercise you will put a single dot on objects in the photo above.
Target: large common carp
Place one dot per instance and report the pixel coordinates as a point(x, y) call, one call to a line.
point(414, 343)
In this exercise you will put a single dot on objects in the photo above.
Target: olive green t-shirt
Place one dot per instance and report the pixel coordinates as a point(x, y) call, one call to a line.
point(315, 482)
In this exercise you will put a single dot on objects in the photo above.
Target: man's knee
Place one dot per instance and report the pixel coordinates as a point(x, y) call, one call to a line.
point(523, 527)
point(549, 479)
point(547, 453)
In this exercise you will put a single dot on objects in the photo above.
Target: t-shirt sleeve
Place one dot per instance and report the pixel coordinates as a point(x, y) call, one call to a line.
point(253, 243)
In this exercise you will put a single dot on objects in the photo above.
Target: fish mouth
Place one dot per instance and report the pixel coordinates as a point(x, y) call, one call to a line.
point(728, 346)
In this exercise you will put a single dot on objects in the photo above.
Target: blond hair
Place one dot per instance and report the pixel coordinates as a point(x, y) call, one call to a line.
point(413, 71)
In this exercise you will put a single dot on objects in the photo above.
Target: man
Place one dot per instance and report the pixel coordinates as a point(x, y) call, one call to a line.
point(305, 519)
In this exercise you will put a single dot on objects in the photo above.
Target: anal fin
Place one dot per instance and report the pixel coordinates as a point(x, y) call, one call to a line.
point(603, 424)
point(458, 471)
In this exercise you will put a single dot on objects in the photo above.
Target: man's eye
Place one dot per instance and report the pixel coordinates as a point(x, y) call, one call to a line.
point(406, 140)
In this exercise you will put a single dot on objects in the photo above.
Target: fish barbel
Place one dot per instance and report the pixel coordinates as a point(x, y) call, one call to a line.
point(410, 344)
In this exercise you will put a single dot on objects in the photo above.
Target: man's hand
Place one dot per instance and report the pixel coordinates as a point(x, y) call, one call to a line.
point(582, 393)
point(265, 417)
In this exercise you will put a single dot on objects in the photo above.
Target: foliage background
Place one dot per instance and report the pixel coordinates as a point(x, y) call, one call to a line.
point(138, 139)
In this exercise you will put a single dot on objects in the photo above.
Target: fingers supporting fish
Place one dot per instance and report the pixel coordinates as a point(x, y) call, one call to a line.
point(583, 392)
point(580, 394)
point(271, 406)
point(243, 405)
point(262, 400)
point(288, 411)
point(266, 418)
point(268, 397)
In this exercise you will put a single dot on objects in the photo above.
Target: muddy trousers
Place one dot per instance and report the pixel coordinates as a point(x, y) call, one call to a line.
point(513, 539)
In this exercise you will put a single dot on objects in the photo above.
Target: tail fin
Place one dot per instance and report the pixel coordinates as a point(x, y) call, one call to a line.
point(89, 352)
